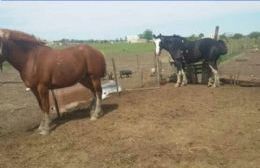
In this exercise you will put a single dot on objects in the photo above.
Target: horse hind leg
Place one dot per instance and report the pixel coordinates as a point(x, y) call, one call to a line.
point(98, 95)
point(210, 82)
point(184, 78)
point(88, 84)
point(95, 105)
point(179, 73)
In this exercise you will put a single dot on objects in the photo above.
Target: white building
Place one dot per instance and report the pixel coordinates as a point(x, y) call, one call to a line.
point(134, 39)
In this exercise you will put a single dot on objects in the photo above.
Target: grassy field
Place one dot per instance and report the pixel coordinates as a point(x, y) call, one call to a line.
point(124, 49)
point(238, 46)
point(235, 47)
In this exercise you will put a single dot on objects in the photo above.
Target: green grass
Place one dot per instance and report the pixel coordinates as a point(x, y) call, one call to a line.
point(120, 48)
point(124, 49)
point(6, 66)
point(238, 46)
point(235, 47)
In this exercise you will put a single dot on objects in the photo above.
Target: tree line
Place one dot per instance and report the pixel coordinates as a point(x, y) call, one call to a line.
point(148, 36)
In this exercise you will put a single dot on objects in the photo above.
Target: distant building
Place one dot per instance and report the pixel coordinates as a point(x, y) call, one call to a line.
point(134, 39)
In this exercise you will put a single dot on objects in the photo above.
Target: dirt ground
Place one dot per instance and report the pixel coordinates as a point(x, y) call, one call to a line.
point(245, 67)
point(193, 126)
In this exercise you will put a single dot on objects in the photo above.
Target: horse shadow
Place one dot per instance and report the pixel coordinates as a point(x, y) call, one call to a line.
point(77, 115)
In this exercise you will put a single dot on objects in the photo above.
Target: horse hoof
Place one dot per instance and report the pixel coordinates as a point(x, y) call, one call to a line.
point(214, 86)
point(176, 85)
point(93, 118)
point(44, 132)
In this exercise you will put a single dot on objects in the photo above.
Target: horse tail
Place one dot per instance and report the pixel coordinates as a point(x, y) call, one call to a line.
point(105, 70)
point(104, 65)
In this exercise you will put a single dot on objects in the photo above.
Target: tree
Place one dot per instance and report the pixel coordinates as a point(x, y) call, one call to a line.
point(223, 36)
point(201, 35)
point(254, 35)
point(147, 35)
point(237, 36)
point(193, 37)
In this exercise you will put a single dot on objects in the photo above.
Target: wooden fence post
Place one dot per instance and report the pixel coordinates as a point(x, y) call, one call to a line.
point(216, 32)
point(157, 69)
point(137, 62)
point(115, 75)
point(142, 78)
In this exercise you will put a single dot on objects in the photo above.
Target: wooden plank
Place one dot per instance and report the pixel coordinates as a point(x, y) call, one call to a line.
point(10, 82)
point(234, 81)
point(140, 89)
point(157, 69)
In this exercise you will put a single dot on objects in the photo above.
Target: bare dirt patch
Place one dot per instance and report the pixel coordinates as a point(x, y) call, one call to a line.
point(245, 67)
point(193, 126)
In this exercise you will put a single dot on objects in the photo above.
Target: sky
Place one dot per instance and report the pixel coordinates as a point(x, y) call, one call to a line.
point(116, 19)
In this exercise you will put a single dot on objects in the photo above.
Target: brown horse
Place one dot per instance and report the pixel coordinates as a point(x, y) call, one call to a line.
point(42, 68)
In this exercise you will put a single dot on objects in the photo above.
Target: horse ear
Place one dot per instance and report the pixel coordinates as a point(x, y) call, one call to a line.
point(160, 35)
point(154, 36)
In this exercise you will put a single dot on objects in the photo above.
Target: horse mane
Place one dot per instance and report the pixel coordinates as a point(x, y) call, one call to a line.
point(21, 37)
point(177, 36)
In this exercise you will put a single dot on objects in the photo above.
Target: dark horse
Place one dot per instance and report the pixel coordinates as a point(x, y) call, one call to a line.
point(42, 68)
point(184, 52)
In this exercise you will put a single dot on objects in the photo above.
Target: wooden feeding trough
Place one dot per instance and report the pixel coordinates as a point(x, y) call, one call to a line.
point(77, 96)
point(69, 98)
point(194, 70)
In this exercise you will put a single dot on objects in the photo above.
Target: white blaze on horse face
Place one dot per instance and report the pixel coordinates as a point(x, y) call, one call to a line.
point(157, 46)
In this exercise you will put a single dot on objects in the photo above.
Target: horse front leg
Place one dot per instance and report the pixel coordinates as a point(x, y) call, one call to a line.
point(43, 93)
point(36, 94)
point(216, 75)
point(184, 78)
point(211, 80)
point(179, 73)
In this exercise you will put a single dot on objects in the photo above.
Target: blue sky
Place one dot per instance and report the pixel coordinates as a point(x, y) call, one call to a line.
point(110, 20)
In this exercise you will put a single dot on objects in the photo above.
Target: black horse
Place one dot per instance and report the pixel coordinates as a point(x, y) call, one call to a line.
point(184, 52)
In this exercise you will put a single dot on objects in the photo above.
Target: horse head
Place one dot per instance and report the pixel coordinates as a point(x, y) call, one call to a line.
point(157, 41)
point(222, 47)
